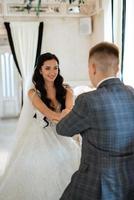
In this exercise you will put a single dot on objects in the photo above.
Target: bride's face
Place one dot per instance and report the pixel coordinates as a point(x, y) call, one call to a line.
point(49, 70)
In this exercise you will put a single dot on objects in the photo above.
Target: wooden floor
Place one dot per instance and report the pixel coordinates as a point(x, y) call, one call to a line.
point(7, 138)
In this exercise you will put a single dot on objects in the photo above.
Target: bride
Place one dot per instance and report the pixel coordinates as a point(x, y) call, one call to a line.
point(42, 162)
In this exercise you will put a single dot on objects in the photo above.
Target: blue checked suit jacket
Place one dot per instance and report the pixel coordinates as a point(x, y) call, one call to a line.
point(105, 120)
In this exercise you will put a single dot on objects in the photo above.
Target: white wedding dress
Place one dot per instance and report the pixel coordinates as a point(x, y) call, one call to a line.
point(42, 161)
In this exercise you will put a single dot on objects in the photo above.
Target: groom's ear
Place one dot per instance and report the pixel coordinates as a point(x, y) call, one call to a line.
point(92, 69)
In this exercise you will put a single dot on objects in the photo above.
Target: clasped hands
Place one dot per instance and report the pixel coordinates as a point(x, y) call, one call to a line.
point(61, 115)
point(64, 112)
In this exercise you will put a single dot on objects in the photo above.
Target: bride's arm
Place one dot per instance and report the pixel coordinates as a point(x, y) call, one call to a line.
point(68, 107)
point(68, 102)
point(38, 104)
point(69, 99)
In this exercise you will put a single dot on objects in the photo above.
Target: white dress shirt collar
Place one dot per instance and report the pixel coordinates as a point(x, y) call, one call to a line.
point(105, 80)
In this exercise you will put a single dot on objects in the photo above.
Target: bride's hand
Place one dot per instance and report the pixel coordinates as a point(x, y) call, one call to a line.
point(64, 113)
point(61, 115)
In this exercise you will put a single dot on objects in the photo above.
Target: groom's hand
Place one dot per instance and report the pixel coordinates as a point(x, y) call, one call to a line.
point(61, 115)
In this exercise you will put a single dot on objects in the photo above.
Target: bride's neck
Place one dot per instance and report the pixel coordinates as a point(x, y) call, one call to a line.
point(49, 86)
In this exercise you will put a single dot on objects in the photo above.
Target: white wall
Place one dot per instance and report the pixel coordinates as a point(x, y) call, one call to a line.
point(102, 24)
point(98, 28)
point(62, 37)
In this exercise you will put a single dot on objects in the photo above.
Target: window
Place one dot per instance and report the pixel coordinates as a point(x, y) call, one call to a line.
point(129, 45)
point(10, 87)
point(7, 73)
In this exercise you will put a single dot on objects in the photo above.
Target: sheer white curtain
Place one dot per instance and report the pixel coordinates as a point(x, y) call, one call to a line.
point(116, 16)
point(25, 37)
point(117, 22)
point(117, 26)
point(129, 44)
point(107, 20)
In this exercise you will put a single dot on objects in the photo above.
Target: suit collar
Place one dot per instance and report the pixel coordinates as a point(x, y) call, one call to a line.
point(105, 80)
point(111, 81)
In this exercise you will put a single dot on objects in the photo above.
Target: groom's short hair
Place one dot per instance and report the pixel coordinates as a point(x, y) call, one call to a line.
point(105, 55)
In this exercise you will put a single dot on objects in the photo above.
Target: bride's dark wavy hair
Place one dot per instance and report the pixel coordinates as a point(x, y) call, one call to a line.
point(39, 82)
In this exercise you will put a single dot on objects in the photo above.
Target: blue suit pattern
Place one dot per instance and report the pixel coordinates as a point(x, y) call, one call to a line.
point(105, 120)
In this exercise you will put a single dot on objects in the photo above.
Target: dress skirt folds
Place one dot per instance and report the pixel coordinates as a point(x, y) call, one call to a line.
point(42, 164)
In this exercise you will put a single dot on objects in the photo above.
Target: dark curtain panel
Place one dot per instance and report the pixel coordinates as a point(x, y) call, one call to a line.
point(40, 36)
point(7, 25)
point(123, 35)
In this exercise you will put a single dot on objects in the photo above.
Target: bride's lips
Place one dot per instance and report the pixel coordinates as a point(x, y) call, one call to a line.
point(51, 77)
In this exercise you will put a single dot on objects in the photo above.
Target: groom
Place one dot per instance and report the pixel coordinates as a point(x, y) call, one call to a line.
point(105, 119)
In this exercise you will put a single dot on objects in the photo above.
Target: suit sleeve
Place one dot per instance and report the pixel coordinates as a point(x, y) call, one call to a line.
point(76, 121)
